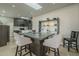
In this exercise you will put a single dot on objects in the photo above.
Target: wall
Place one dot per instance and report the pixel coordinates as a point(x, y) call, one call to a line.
point(69, 19)
point(7, 21)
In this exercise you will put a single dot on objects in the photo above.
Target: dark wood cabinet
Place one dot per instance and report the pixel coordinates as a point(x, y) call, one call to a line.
point(23, 23)
point(4, 35)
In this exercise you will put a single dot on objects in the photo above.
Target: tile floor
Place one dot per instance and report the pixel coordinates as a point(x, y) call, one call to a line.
point(9, 50)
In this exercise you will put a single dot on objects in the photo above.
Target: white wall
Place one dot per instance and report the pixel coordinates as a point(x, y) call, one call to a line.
point(7, 21)
point(69, 19)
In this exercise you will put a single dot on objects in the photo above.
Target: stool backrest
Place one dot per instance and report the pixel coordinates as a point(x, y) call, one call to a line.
point(18, 38)
point(21, 40)
point(74, 35)
point(55, 41)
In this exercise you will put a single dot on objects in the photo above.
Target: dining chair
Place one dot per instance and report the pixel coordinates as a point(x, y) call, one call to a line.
point(53, 43)
point(21, 43)
point(72, 41)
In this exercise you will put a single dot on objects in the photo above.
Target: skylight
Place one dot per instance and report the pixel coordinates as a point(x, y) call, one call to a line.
point(34, 6)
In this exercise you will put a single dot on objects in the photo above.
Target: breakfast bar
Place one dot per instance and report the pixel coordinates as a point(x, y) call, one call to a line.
point(38, 39)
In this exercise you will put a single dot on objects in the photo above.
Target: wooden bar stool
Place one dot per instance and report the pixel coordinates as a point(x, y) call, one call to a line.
point(72, 41)
point(54, 44)
point(21, 43)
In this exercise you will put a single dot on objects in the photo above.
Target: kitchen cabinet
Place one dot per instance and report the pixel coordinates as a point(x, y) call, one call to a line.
point(4, 35)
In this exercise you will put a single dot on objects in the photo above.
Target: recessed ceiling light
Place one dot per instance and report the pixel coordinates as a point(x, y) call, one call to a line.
point(3, 11)
point(25, 18)
point(35, 6)
point(13, 6)
point(22, 17)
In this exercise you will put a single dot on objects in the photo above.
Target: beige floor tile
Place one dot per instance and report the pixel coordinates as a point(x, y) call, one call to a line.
point(9, 50)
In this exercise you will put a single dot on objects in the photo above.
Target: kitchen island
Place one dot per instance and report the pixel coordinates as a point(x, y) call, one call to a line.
point(37, 42)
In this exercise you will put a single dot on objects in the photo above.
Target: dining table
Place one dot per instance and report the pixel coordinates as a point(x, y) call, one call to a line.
point(37, 41)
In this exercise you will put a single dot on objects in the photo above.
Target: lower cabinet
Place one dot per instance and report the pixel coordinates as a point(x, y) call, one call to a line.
point(4, 35)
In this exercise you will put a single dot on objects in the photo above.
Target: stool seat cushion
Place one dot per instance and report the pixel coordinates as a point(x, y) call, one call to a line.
point(53, 42)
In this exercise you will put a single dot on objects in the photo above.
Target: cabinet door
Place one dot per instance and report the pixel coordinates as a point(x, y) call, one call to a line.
point(4, 35)
point(0, 34)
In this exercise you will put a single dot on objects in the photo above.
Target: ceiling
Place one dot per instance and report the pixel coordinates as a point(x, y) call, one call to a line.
point(22, 10)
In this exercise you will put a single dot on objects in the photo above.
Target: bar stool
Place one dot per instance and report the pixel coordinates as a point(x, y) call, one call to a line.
point(72, 41)
point(21, 43)
point(53, 43)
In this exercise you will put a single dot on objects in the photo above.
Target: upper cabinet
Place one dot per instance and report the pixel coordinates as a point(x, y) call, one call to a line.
point(23, 23)
point(49, 25)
